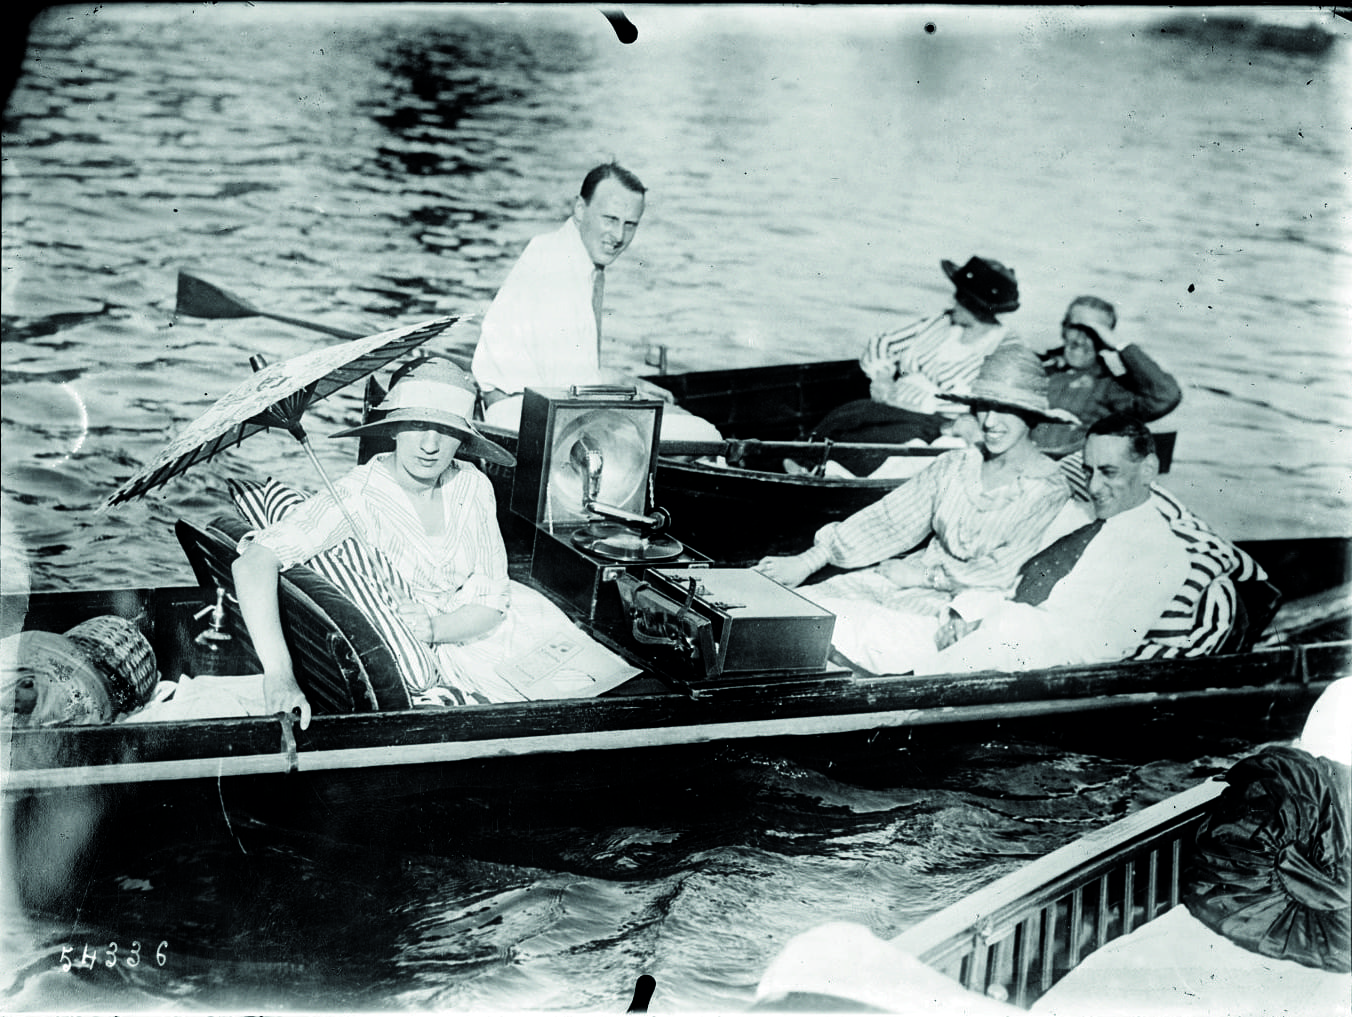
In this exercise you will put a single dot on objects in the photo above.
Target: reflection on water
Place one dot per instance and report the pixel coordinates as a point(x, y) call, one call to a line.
point(366, 166)
point(541, 899)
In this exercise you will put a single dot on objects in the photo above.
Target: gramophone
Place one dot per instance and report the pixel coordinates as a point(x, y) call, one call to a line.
point(586, 459)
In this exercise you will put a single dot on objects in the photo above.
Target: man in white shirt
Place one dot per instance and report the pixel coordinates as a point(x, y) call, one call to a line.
point(543, 329)
point(1099, 610)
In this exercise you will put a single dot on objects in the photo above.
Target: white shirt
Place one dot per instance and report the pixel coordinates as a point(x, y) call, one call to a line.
point(540, 330)
point(1098, 612)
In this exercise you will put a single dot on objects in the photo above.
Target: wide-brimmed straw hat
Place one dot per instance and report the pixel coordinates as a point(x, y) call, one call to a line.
point(986, 283)
point(1012, 378)
point(433, 394)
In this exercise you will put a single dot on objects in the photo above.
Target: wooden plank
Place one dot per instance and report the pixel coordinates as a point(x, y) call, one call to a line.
point(1073, 932)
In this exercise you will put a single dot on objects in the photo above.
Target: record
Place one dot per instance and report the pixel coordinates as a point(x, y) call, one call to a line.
point(623, 543)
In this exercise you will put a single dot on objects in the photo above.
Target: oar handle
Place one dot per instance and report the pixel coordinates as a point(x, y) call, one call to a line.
point(314, 326)
point(734, 446)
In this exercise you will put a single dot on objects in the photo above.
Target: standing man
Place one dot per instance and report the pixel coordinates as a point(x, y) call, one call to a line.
point(543, 329)
point(1091, 596)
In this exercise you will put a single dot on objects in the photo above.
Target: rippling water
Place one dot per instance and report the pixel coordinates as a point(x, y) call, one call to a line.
point(368, 166)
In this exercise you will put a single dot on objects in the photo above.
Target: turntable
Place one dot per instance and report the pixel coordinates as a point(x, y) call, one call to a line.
point(586, 458)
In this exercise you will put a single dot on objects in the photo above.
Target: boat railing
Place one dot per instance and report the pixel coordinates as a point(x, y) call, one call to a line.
point(1017, 937)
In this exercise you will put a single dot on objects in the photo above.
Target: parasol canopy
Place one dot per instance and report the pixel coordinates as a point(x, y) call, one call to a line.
point(276, 396)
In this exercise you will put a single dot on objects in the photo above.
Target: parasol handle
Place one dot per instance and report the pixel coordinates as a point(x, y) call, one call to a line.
point(357, 533)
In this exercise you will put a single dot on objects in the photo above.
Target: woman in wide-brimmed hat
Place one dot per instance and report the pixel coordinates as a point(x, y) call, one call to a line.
point(432, 513)
point(909, 366)
point(985, 509)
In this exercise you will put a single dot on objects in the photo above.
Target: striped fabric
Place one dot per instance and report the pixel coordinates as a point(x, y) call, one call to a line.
point(1072, 465)
point(1204, 610)
point(910, 365)
point(981, 537)
point(363, 574)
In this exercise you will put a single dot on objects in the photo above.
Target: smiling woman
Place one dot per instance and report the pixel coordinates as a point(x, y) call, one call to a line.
point(985, 508)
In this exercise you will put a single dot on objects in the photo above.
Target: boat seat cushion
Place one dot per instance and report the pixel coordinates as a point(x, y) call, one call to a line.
point(1223, 604)
point(341, 662)
point(363, 574)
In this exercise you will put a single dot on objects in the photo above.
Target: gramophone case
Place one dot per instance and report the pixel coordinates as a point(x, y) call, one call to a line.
point(545, 489)
point(758, 625)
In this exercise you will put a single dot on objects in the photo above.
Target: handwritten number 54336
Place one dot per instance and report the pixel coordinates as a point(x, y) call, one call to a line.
point(112, 956)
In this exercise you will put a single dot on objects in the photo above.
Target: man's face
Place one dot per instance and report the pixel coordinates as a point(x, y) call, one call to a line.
point(1117, 482)
point(608, 222)
point(1080, 350)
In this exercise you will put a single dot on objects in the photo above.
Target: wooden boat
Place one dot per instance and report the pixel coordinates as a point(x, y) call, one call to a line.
point(767, 413)
point(1014, 940)
point(340, 658)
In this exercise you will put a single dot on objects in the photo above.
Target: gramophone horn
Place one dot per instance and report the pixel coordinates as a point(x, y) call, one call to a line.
point(600, 455)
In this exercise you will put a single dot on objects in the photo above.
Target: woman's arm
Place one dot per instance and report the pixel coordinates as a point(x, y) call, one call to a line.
point(1153, 391)
point(256, 573)
point(469, 621)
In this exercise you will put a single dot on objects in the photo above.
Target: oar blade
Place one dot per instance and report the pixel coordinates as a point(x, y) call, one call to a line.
point(198, 298)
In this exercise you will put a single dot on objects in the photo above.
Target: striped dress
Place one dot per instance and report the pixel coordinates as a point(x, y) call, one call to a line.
point(535, 651)
point(464, 564)
point(980, 539)
point(911, 365)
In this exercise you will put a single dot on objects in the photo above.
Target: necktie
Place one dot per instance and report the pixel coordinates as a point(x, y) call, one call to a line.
point(1050, 565)
point(598, 291)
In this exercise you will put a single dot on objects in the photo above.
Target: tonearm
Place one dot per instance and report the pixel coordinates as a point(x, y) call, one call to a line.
point(587, 458)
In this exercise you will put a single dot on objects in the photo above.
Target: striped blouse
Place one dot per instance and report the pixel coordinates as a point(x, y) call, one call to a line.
point(911, 365)
point(981, 537)
point(465, 564)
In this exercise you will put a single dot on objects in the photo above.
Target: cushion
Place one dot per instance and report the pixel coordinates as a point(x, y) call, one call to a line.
point(1271, 867)
point(365, 575)
point(1204, 613)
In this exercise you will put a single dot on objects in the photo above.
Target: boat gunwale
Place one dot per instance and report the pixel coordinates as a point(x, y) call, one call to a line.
point(962, 935)
point(111, 753)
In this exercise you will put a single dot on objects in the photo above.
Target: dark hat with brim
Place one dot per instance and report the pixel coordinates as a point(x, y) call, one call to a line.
point(1012, 379)
point(986, 283)
point(433, 395)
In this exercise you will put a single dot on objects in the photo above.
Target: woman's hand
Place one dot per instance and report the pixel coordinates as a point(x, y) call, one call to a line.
point(281, 694)
point(789, 571)
point(965, 428)
point(418, 619)
point(905, 572)
point(953, 629)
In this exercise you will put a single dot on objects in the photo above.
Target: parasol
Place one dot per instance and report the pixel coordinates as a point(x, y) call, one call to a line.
point(277, 396)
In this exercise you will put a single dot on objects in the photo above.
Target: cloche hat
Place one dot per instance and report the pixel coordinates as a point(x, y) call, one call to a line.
point(435, 393)
point(1012, 378)
point(985, 282)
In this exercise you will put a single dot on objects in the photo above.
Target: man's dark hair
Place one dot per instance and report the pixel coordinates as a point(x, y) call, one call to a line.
point(610, 171)
point(1123, 425)
point(1098, 304)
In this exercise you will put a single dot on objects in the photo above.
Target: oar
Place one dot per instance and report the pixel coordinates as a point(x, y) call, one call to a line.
point(738, 447)
point(198, 298)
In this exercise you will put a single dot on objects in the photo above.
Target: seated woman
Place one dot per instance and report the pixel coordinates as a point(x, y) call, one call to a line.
point(985, 509)
point(1081, 380)
point(909, 366)
point(434, 517)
